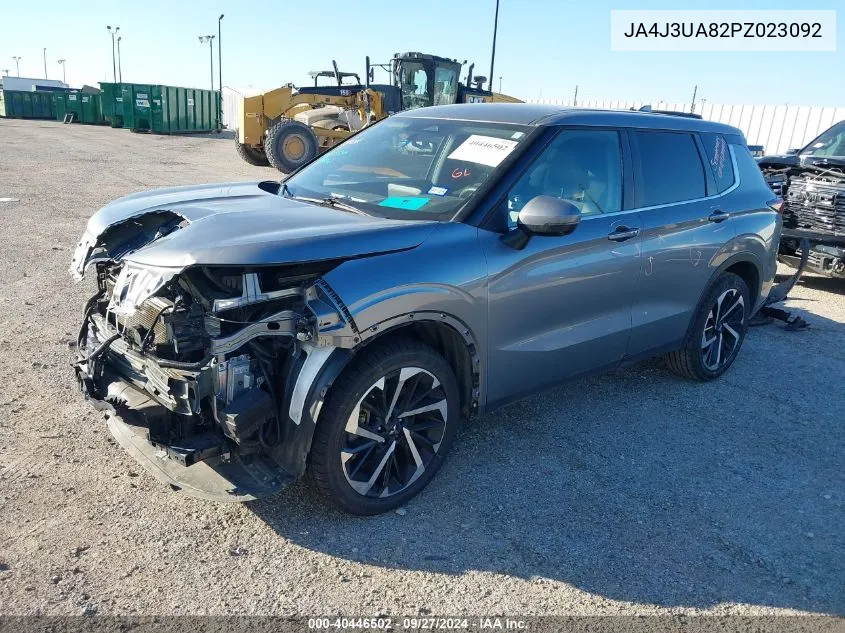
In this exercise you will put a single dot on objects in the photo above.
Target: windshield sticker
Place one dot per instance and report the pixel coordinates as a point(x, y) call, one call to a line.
point(438, 191)
point(408, 204)
point(484, 150)
point(517, 135)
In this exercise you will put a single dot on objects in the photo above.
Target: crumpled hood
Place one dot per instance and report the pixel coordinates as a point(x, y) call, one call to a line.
point(234, 224)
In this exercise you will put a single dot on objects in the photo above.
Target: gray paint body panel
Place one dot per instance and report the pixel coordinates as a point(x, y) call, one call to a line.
point(560, 307)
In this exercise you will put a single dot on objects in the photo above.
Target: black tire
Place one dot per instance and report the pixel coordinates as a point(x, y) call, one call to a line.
point(385, 467)
point(251, 155)
point(289, 145)
point(700, 361)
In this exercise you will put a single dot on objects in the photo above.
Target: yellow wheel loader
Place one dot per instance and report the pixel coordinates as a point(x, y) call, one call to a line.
point(289, 126)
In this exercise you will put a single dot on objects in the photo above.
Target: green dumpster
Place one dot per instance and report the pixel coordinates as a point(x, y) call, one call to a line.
point(161, 109)
point(91, 111)
point(20, 104)
point(112, 103)
point(73, 105)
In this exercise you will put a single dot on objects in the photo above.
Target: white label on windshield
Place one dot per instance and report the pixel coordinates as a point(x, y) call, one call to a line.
point(484, 150)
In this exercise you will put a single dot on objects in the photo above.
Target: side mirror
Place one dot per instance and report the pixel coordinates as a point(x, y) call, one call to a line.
point(547, 215)
point(792, 151)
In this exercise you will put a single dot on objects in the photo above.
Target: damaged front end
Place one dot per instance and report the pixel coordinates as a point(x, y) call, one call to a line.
point(206, 372)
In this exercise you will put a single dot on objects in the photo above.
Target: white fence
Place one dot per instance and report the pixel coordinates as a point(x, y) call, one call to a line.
point(776, 127)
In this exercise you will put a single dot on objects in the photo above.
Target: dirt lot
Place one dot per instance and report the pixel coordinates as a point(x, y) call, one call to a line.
point(632, 493)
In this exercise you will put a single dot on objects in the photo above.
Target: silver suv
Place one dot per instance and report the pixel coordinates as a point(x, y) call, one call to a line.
point(441, 262)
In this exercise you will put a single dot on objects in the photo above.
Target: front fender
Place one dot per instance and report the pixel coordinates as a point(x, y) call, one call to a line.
point(447, 274)
point(442, 281)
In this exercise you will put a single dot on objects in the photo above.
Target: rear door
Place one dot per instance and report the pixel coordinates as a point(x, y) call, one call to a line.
point(684, 226)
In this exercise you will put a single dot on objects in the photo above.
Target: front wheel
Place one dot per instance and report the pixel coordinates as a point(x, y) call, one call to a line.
point(386, 427)
point(716, 333)
point(289, 145)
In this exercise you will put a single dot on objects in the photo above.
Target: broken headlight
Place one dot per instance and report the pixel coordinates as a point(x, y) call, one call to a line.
point(135, 284)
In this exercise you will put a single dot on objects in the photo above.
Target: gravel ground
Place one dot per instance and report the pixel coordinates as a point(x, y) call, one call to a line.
point(632, 493)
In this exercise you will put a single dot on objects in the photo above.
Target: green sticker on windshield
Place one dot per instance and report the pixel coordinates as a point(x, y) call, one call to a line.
point(409, 204)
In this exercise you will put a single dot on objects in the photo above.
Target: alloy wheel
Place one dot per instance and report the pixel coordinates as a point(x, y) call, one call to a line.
point(394, 432)
point(723, 330)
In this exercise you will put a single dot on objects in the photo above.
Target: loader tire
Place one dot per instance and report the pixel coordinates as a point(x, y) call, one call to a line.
point(289, 145)
point(251, 155)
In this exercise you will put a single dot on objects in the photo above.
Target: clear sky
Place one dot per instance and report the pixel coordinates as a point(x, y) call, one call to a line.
point(545, 47)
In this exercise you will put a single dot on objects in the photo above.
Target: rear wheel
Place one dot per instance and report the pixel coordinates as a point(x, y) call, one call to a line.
point(717, 331)
point(289, 145)
point(252, 155)
point(385, 428)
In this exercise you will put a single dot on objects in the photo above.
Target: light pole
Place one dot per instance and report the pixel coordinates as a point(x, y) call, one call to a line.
point(493, 54)
point(500, 84)
point(113, 63)
point(220, 53)
point(210, 39)
point(64, 76)
point(17, 64)
point(119, 68)
point(45, 63)
point(220, 69)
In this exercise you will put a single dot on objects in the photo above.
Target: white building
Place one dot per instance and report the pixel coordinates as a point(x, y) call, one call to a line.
point(28, 84)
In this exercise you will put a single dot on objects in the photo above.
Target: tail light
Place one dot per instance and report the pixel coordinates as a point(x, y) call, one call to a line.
point(776, 204)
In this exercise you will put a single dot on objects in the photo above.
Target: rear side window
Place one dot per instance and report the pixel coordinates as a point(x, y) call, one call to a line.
point(670, 168)
point(716, 148)
point(749, 171)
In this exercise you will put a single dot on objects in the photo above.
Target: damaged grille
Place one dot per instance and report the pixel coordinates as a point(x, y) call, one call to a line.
point(815, 205)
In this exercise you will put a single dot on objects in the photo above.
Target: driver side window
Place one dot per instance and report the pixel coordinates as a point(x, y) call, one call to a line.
point(581, 166)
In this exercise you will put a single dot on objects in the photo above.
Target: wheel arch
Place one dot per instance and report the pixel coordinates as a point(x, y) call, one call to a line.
point(449, 337)
point(308, 388)
point(749, 272)
point(745, 266)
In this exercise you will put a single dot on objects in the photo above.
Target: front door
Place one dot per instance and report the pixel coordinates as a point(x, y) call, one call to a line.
point(562, 305)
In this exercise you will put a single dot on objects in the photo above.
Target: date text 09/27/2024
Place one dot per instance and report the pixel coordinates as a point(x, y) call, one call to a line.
point(418, 623)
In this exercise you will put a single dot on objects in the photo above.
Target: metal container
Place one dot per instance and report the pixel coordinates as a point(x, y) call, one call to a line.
point(139, 96)
point(112, 103)
point(65, 103)
point(19, 104)
point(161, 109)
point(91, 110)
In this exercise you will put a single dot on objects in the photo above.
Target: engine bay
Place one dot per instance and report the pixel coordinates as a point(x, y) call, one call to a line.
point(204, 362)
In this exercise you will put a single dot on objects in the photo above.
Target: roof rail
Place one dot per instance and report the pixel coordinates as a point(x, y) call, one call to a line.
point(689, 115)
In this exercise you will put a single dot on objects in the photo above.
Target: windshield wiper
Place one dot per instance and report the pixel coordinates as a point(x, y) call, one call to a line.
point(329, 201)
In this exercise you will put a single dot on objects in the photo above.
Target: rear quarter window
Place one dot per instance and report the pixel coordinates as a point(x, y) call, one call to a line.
point(670, 168)
point(749, 171)
point(719, 160)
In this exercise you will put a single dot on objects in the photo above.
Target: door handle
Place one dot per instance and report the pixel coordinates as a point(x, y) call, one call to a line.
point(623, 233)
point(719, 216)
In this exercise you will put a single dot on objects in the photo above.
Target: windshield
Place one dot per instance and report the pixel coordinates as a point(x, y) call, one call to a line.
point(830, 143)
point(407, 168)
point(445, 85)
point(414, 85)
